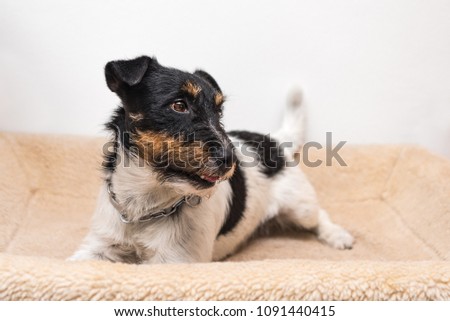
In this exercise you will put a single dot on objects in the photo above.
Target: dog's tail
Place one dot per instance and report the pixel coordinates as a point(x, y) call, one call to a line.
point(292, 130)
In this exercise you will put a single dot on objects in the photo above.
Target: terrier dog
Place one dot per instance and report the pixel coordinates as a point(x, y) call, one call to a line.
point(178, 188)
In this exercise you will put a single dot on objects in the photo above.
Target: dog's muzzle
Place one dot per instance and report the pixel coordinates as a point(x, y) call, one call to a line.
point(221, 164)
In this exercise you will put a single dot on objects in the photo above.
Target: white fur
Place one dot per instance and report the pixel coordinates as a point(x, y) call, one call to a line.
point(292, 128)
point(190, 236)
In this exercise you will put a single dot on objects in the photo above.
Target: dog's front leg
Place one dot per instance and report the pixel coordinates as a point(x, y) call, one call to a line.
point(93, 248)
point(179, 254)
point(186, 248)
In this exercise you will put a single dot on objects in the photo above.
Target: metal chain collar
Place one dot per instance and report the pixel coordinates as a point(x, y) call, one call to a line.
point(191, 200)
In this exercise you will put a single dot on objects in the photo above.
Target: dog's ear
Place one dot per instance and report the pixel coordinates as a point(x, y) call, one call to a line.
point(208, 78)
point(121, 74)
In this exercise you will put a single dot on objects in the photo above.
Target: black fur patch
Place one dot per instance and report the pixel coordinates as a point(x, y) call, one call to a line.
point(238, 201)
point(269, 152)
point(116, 126)
point(121, 134)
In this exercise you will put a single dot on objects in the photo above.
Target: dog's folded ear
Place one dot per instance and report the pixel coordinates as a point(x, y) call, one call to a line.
point(121, 74)
point(208, 78)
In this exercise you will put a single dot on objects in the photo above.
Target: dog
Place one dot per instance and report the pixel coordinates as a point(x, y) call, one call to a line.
point(178, 188)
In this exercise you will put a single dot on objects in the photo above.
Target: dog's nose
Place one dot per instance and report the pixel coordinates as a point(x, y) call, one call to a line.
point(227, 158)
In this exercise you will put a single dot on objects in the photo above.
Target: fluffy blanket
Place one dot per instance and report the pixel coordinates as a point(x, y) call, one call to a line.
point(395, 200)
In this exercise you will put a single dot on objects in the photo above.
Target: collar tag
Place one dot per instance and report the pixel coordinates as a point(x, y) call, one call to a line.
point(193, 200)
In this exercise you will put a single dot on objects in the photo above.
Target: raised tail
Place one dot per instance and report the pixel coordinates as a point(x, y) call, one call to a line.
point(292, 128)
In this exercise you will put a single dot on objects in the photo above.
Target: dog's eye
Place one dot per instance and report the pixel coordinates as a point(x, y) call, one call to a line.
point(179, 106)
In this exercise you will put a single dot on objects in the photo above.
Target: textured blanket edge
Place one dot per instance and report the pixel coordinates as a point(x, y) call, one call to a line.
point(37, 278)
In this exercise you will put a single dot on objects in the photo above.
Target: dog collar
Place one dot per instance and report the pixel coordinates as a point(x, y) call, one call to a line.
point(191, 200)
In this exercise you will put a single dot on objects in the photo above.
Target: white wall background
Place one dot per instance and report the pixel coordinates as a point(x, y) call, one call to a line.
point(371, 71)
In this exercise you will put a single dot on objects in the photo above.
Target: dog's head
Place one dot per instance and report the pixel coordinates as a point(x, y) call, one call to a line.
point(174, 120)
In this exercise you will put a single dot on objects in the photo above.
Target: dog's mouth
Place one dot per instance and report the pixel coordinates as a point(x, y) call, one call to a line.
point(201, 179)
point(211, 178)
point(208, 178)
point(217, 176)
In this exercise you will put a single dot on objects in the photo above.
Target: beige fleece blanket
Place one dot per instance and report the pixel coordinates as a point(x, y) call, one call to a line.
point(395, 200)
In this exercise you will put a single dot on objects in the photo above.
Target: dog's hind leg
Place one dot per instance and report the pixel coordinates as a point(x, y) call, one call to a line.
point(298, 205)
point(316, 219)
point(331, 233)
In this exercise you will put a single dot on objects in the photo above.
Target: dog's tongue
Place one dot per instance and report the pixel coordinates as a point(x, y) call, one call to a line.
point(211, 179)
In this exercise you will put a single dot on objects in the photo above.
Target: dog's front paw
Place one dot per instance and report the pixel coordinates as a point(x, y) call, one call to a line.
point(82, 256)
point(337, 237)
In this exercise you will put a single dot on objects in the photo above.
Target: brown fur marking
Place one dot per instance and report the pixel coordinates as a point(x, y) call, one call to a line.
point(191, 88)
point(164, 149)
point(219, 99)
